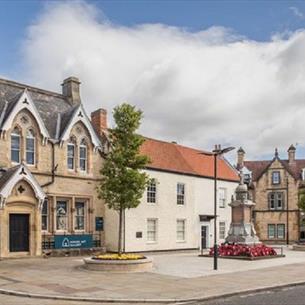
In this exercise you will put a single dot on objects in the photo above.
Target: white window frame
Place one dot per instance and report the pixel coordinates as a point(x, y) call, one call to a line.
point(183, 221)
point(178, 194)
point(83, 145)
point(274, 231)
point(70, 144)
point(32, 137)
point(17, 135)
point(222, 201)
point(222, 229)
point(277, 230)
point(155, 220)
point(151, 190)
point(67, 215)
point(273, 175)
point(46, 201)
point(84, 202)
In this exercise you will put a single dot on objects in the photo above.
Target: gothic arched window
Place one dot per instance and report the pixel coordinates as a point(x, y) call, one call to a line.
point(71, 154)
point(83, 156)
point(30, 147)
point(15, 145)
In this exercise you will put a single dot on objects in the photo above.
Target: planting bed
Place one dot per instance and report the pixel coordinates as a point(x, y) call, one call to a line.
point(245, 252)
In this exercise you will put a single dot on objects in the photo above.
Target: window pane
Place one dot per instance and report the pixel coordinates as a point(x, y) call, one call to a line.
point(281, 231)
point(180, 193)
point(44, 216)
point(79, 215)
point(180, 230)
point(70, 153)
point(61, 215)
point(151, 192)
point(271, 231)
point(222, 197)
point(15, 156)
point(222, 230)
point(276, 177)
point(151, 230)
point(83, 158)
point(30, 157)
point(15, 148)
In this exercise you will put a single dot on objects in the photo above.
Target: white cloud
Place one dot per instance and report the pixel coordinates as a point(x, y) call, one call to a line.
point(296, 12)
point(199, 89)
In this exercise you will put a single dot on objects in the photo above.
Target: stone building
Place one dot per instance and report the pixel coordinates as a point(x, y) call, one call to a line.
point(274, 186)
point(50, 157)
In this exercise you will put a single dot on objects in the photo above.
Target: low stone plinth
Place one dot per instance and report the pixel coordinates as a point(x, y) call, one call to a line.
point(246, 258)
point(298, 247)
point(137, 265)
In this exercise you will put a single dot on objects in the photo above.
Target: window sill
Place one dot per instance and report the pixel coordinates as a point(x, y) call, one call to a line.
point(181, 241)
point(151, 242)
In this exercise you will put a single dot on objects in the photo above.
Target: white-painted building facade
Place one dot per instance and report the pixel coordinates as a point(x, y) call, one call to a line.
point(176, 211)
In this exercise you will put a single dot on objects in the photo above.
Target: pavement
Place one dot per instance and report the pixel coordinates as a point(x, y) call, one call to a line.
point(177, 277)
point(284, 296)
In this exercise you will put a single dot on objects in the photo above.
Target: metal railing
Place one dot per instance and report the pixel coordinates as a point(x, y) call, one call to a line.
point(48, 242)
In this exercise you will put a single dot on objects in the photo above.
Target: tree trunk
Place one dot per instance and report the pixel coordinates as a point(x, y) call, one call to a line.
point(120, 231)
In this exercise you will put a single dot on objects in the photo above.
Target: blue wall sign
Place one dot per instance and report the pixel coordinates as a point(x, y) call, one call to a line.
point(72, 241)
point(99, 224)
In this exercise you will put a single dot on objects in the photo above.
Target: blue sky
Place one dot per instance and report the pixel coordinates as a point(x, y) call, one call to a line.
point(257, 20)
point(203, 72)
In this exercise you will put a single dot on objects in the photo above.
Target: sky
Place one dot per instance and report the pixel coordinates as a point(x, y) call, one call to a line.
point(203, 72)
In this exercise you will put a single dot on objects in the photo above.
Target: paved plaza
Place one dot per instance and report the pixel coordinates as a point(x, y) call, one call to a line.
point(175, 276)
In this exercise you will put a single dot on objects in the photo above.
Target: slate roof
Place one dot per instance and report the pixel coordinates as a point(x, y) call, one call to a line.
point(49, 104)
point(259, 167)
point(5, 176)
point(180, 159)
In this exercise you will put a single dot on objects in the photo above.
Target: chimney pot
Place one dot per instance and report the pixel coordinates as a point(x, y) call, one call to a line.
point(70, 90)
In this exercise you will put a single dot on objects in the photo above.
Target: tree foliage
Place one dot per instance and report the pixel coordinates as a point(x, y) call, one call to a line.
point(123, 180)
point(301, 202)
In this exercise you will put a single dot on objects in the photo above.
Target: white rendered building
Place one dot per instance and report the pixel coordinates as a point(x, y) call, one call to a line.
point(177, 209)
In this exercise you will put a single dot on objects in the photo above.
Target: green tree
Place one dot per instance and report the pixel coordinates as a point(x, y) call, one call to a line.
point(301, 204)
point(123, 182)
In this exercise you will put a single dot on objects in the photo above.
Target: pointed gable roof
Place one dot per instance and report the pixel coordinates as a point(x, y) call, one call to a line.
point(18, 103)
point(180, 159)
point(73, 116)
point(15, 174)
point(258, 168)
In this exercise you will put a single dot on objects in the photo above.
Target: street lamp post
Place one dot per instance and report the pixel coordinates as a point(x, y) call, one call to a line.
point(216, 152)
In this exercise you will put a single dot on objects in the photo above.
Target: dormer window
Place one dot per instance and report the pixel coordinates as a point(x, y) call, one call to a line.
point(83, 156)
point(30, 147)
point(276, 177)
point(15, 145)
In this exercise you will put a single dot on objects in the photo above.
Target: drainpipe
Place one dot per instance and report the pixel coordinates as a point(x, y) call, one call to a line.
point(54, 167)
point(287, 213)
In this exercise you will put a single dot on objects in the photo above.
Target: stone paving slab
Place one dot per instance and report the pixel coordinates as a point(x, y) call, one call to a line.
point(65, 277)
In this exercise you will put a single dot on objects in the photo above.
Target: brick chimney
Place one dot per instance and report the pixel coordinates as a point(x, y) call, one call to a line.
point(99, 120)
point(291, 154)
point(240, 158)
point(70, 90)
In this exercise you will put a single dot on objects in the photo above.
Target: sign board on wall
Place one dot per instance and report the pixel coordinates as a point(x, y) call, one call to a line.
point(99, 224)
point(73, 241)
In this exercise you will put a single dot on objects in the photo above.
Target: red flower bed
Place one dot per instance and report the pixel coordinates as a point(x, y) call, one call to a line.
point(244, 250)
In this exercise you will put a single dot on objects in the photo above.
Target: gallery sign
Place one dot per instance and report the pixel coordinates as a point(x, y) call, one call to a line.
point(73, 241)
